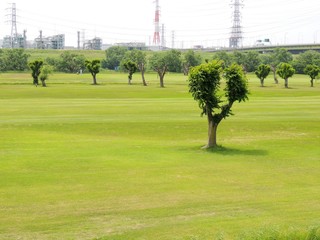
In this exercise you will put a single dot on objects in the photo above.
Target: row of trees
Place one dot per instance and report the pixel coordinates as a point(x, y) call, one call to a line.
point(285, 71)
point(132, 61)
point(120, 58)
point(176, 61)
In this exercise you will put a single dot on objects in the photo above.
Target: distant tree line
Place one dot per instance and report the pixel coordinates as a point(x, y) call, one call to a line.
point(13, 60)
point(121, 59)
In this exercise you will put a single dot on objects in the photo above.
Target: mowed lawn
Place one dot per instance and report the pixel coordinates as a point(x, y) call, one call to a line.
point(115, 161)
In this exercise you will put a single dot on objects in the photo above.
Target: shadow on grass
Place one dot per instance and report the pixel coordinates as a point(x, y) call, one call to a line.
point(233, 151)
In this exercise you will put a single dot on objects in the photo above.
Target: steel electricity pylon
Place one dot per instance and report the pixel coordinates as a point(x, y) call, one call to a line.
point(235, 40)
point(13, 22)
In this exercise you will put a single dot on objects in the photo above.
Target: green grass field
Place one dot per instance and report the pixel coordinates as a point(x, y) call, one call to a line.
point(54, 53)
point(125, 162)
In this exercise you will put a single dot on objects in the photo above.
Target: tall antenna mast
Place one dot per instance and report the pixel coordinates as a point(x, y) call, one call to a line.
point(156, 36)
point(235, 40)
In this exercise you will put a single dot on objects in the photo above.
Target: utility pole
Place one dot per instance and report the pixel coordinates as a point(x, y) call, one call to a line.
point(78, 41)
point(163, 39)
point(172, 39)
point(25, 38)
point(235, 40)
point(41, 40)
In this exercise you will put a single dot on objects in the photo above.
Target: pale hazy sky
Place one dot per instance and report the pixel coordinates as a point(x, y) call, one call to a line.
point(197, 22)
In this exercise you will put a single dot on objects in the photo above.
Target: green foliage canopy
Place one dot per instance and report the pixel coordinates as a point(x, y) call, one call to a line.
point(204, 85)
point(131, 67)
point(285, 71)
point(94, 68)
point(114, 56)
point(68, 62)
point(190, 59)
point(13, 60)
point(158, 63)
point(279, 55)
point(45, 71)
point(173, 59)
point(313, 71)
point(35, 67)
point(262, 73)
point(310, 57)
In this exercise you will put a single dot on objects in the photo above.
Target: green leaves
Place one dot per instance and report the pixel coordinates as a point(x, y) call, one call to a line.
point(262, 72)
point(114, 55)
point(70, 62)
point(285, 70)
point(93, 66)
point(236, 84)
point(312, 70)
point(13, 60)
point(204, 83)
point(35, 67)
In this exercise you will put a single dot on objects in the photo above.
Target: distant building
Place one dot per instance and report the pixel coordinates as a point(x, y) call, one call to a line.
point(133, 45)
point(52, 42)
point(93, 44)
point(19, 41)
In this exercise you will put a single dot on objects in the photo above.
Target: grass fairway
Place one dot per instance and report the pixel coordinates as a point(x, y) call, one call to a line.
point(125, 162)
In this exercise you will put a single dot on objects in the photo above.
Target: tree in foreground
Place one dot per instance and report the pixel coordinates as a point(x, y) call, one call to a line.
point(35, 67)
point(262, 73)
point(313, 71)
point(46, 70)
point(131, 68)
point(285, 71)
point(204, 85)
point(94, 68)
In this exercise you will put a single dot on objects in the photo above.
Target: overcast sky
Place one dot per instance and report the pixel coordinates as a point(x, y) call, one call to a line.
point(197, 22)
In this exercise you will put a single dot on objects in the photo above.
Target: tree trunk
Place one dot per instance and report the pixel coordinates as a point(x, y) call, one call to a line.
point(161, 73)
point(142, 70)
point(186, 69)
point(286, 85)
point(212, 132)
point(311, 82)
point(129, 79)
point(161, 80)
point(35, 81)
point(275, 75)
point(143, 79)
point(43, 83)
point(94, 80)
point(262, 82)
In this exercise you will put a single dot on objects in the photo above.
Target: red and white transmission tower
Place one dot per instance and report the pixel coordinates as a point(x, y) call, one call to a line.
point(156, 36)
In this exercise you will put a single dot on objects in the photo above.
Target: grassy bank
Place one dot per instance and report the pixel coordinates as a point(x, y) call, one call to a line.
point(125, 162)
